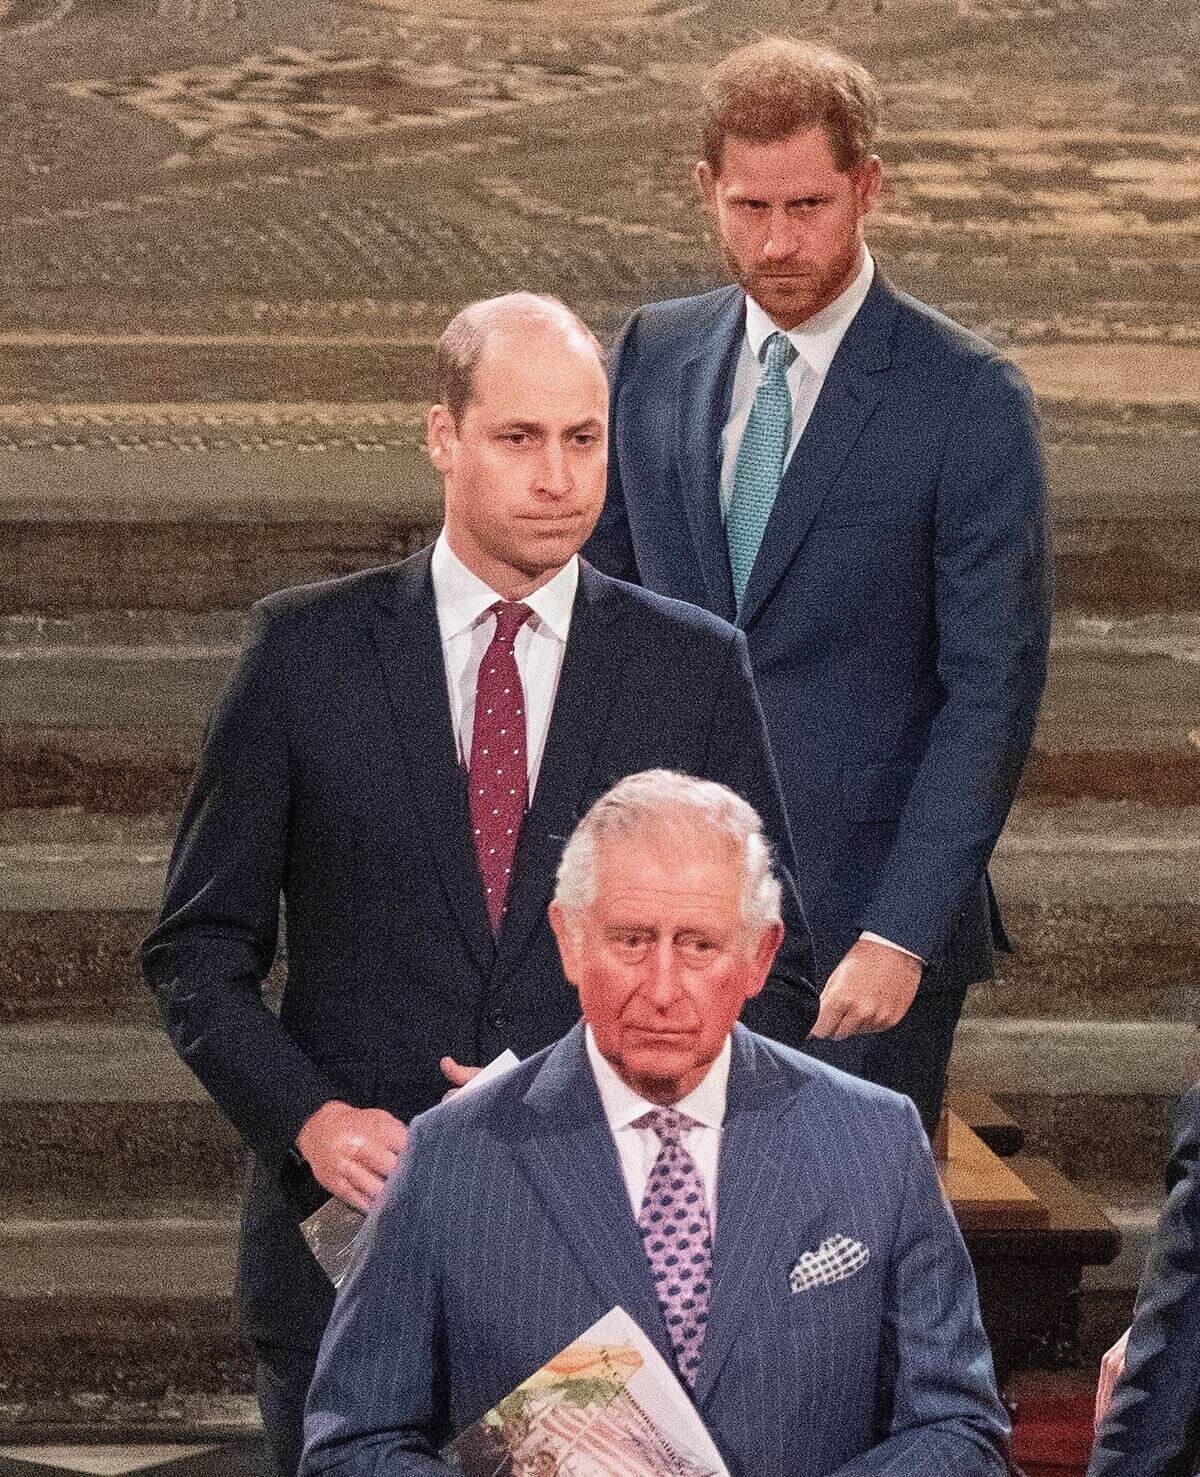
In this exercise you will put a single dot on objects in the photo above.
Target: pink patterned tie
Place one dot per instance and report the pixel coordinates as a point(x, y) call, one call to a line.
point(499, 779)
point(675, 1232)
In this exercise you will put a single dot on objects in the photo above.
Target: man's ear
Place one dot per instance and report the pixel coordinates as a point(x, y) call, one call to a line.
point(565, 938)
point(764, 956)
point(706, 184)
point(869, 183)
point(440, 431)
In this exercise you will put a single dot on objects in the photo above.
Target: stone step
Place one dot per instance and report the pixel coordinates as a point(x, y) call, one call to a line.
point(1086, 889)
point(106, 1115)
point(155, 1258)
point(1060, 1078)
point(122, 1361)
point(194, 523)
point(155, 1253)
point(128, 1319)
point(101, 1116)
point(98, 711)
point(180, 531)
point(1101, 901)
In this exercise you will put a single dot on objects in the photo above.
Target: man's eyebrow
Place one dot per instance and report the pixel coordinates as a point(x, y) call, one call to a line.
point(593, 423)
point(531, 428)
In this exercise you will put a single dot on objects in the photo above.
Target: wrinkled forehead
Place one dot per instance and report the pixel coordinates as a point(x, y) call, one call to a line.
point(669, 853)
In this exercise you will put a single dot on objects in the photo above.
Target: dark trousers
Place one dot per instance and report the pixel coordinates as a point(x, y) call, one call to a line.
point(283, 1377)
point(911, 1058)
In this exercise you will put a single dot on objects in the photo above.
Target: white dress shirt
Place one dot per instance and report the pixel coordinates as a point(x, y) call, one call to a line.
point(816, 341)
point(462, 601)
point(637, 1148)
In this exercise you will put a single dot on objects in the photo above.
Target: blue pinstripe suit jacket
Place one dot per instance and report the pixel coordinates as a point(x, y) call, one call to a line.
point(508, 1231)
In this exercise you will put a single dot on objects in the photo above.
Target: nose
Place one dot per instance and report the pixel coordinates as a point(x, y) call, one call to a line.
point(661, 983)
point(782, 235)
point(554, 471)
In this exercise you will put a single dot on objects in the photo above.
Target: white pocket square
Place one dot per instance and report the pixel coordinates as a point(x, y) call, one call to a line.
point(837, 1258)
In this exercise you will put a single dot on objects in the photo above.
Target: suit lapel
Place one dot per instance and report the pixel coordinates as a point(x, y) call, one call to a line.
point(761, 1183)
point(702, 407)
point(567, 1152)
point(847, 401)
point(591, 666)
point(407, 640)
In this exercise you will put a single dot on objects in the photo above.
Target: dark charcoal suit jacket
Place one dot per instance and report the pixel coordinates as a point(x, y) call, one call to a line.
point(1152, 1428)
point(329, 777)
point(898, 614)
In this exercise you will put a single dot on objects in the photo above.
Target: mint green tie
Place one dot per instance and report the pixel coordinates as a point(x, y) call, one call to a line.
point(760, 462)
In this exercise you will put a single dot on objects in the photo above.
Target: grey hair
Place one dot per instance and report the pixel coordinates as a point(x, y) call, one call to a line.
point(669, 807)
point(464, 338)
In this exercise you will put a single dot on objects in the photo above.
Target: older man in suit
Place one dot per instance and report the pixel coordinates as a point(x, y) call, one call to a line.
point(402, 755)
point(1149, 1425)
point(857, 482)
point(816, 1299)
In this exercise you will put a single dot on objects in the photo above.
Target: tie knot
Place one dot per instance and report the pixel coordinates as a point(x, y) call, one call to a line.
point(668, 1123)
point(510, 615)
point(780, 353)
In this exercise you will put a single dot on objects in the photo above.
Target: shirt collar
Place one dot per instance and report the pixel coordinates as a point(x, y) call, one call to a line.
point(462, 599)
point(705, 1103)
point(818, 338)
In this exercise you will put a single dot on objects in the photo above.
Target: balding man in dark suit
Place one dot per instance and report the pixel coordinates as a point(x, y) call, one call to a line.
point(400, 755)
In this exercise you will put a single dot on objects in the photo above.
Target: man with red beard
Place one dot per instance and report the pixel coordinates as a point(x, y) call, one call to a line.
point(857, 482)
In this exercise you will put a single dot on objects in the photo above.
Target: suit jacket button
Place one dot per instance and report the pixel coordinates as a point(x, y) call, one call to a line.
point(498, 1020)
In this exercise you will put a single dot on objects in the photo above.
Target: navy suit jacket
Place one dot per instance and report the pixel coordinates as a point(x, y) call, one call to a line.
point(1152, 1428)
point(507, 1232)
point(329, 775)
point(898, 613)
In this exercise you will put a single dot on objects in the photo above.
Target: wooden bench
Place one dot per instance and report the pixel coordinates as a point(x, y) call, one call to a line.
point(1030, 1233)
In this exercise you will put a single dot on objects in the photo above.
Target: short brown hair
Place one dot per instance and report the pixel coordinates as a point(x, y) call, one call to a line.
point(774, 88)
point(465, 336)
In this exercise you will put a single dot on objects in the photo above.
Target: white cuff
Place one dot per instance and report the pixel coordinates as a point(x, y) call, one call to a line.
point(899, 948)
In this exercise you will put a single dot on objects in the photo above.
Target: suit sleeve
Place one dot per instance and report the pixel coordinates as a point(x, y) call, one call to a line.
point(938, 1411)
point(739, 755)
point(377, 1401)
point(992, 591)
point(610, 548)
point(1152, 1428)
point(215, 941)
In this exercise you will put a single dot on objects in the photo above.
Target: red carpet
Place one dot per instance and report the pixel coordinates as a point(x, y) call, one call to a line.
point(1052, 1436)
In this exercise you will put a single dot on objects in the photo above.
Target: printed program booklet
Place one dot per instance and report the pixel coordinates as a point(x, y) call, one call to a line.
point(331, 1229)
point(607, 1406)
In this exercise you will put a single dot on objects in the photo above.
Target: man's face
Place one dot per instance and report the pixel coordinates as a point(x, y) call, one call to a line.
point(524, 467)
point(789, 220)
point(662, 959)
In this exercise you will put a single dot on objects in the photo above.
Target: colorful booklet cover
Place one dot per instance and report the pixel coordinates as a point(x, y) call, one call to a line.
point(607, 1406)
point(330, 1230)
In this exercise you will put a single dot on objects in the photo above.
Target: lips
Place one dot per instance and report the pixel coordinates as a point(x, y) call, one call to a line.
point(656, 1033)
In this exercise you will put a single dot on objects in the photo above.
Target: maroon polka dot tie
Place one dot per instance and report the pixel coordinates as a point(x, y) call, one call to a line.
point(498, 772)
point(675, 1232)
